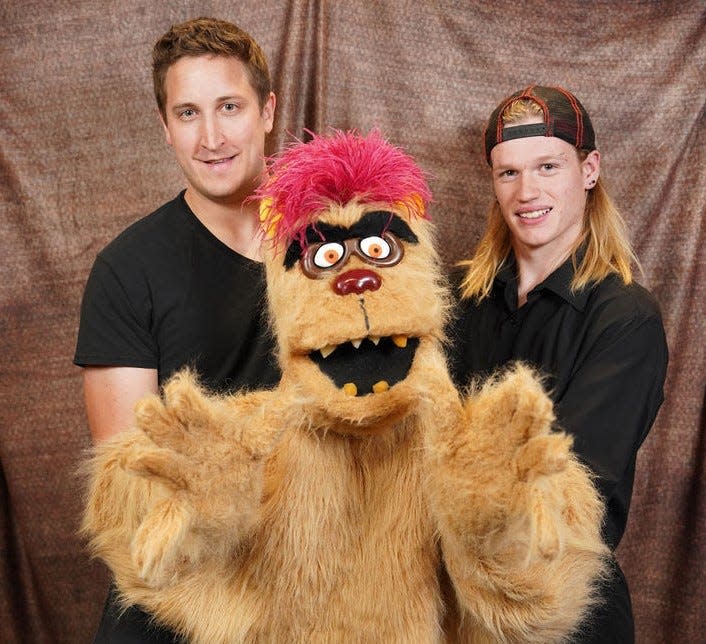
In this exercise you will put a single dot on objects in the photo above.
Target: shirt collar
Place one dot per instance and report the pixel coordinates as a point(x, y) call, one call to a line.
point(558, 282)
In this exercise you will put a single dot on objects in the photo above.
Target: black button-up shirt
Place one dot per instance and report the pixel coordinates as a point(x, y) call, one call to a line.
point(604, 355)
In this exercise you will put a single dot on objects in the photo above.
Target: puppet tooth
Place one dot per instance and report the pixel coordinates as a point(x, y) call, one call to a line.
point(400, 341)
point(374, 339)
point(350, 389)
point(357, 343)
point(380, 386)
point(327, 350)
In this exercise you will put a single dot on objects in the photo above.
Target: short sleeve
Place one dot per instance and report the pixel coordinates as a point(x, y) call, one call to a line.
point(114, 328)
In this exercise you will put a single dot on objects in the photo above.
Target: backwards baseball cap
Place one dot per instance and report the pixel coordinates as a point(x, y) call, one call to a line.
point(564, 117)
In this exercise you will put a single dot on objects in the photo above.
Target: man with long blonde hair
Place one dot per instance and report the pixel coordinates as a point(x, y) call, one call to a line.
point(551, 284)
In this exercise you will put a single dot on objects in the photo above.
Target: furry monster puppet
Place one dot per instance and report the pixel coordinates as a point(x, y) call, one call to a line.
point(363, 499)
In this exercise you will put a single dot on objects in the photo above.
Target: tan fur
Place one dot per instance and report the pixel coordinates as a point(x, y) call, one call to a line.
point(302, 514)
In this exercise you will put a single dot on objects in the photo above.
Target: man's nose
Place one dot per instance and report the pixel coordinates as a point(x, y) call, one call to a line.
point(356, 281)
point(211, 135)
point(527, 187)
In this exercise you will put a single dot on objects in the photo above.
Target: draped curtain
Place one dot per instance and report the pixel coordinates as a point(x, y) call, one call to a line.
point(82, 156)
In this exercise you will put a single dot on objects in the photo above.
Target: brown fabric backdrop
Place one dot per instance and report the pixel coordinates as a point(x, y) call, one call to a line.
point(82, 156)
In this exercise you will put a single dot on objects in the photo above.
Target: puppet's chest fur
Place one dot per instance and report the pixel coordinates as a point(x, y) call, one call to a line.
point(346, 547)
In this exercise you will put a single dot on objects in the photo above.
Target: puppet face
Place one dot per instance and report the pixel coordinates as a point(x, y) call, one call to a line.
point(358, 309)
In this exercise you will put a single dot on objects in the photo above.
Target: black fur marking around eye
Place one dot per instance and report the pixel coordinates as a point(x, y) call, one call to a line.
point(381, 221)
point(371, 224)
point(294, 252)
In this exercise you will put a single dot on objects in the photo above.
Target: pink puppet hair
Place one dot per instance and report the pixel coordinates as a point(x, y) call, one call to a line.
point(307, 177)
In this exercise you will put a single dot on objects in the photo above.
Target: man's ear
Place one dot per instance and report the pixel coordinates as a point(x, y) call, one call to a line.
point(268, 112)
point(591, 168)
point(167, 135)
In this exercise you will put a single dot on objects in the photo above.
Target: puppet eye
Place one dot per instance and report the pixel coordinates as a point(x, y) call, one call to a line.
point(375, 247)
point(328, 254)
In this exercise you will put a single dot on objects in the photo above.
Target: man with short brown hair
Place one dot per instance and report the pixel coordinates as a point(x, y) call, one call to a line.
point(185, 285)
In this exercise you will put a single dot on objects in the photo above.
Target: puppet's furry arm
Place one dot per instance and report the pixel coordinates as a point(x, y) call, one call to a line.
point(183, 486)
point(518, 516)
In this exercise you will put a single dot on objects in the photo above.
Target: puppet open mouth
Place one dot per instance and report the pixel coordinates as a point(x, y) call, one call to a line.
point(370, 365)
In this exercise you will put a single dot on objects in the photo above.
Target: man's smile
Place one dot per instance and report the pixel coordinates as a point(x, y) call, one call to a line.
point(218, 161)
point(534, 214)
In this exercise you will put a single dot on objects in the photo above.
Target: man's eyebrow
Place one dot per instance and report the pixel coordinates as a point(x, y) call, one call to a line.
point(184, 105)
point(545, 158)
point(230, 97)
point(220, 99)
point(551, 157)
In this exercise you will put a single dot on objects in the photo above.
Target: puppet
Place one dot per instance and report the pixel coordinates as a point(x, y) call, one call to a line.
point(364, 498)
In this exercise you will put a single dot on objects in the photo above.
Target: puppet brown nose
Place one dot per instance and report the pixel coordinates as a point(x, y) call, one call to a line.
point(357, 281)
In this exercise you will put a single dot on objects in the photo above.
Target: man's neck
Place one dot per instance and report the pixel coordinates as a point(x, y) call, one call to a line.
point(235, 223)
point(534, 265)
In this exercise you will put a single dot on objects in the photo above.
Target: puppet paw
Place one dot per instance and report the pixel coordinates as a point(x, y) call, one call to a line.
point(520, 405)
point(207, 449)
point(524, 462)
point(542, 455)
point(489, 466)
point(174, 421)
point(538, 517)
point(509, 417)
point(189, 421)
point(157, 542)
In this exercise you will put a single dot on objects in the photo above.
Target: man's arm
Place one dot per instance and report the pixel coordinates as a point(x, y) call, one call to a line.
point(610, 405)
point(110, 395)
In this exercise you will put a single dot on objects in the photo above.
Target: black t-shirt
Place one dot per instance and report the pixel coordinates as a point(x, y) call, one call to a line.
point(167, 293)
point(604, 355)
